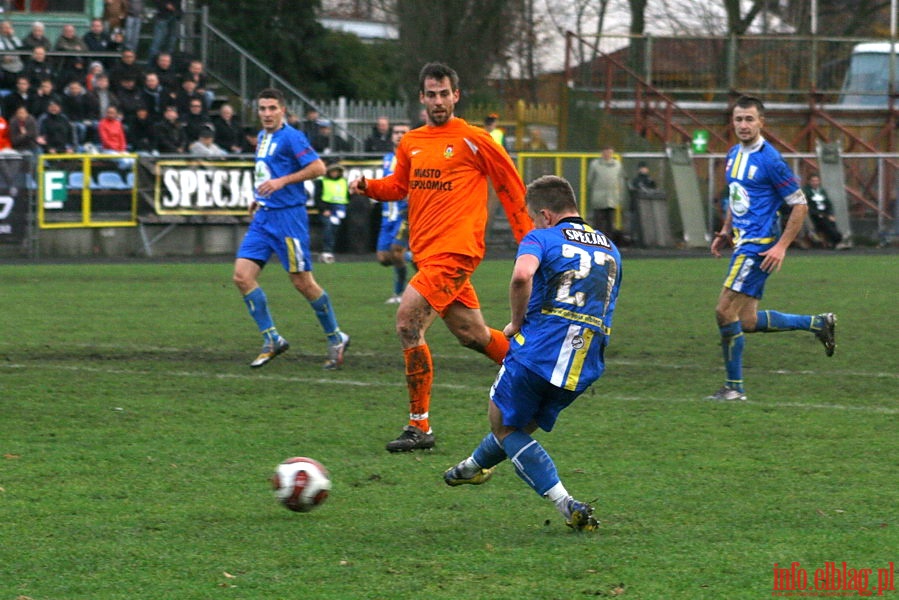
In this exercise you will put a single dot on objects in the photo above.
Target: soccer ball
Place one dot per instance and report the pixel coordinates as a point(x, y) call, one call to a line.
point(301, 483)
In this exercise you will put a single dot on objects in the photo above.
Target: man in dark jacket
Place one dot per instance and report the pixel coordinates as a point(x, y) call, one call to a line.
point(169, 133)
point(56, 130)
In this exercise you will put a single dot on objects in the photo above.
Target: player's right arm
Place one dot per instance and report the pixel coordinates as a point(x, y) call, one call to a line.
point(722, 237)
point(520, 291)
point(392, 187)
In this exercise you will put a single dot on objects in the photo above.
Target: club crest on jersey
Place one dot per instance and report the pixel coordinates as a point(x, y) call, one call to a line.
point(752, 171)
point(448, 151)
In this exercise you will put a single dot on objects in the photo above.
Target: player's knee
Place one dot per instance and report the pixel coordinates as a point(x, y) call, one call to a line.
point(242, 281)
point(409, 333)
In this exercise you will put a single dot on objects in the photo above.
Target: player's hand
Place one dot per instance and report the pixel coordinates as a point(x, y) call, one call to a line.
point(270, 186)
point(357, 186)
point(510, 330)
point(774, 258)
point(254, 206)
point(718, 242)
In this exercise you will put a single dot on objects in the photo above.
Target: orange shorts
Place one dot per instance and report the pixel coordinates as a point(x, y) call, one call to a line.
point(446, 278)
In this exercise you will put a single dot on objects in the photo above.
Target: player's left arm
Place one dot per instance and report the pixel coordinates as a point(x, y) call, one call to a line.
point(508, 186)
point(774, 256)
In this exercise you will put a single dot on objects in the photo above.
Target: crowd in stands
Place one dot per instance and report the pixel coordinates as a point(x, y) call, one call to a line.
point(99, 97)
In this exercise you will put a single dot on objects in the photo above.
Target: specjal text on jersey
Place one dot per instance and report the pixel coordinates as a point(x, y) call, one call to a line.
point(591, 238)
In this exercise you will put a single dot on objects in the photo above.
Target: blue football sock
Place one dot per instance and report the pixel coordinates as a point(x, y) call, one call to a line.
point(531, 461)
point(732, 349)
point(325, 314)
point(489, 452)
point(257, 304)
point(769, 321)
point(399, 279)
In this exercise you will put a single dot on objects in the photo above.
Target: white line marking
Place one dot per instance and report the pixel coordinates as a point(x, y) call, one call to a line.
point(885, 410)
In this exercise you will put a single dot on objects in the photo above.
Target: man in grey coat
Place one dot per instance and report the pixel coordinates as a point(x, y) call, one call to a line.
point(605, 184)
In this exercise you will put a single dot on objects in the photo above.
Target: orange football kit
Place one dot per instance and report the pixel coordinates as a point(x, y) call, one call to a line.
point(443, 172)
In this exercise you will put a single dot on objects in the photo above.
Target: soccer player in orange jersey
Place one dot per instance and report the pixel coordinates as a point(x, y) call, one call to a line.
point(443, 167)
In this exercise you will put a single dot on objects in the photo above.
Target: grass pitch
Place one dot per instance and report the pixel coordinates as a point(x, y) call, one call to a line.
point(135, 443)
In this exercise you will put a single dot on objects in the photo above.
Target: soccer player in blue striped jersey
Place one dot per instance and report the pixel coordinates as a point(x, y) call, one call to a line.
point(759, 183)
point(562, 295)
point(284, 161)
point(392, 236)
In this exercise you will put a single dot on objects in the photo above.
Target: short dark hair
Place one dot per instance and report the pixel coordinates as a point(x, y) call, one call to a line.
point(749, 102)
point(438, 71)
point(552, 193)
point(272, 94)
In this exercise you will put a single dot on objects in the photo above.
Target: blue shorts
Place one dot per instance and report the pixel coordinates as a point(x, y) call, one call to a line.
point(522, 396)
point(283, 231)
point(744, 274)
point(392, 233)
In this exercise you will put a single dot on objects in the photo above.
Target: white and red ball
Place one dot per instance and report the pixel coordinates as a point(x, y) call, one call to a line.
point(301, 483)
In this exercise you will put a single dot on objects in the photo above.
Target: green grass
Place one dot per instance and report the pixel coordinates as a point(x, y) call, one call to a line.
point(135, 443)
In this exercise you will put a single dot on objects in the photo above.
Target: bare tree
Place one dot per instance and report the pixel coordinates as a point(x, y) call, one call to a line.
point(469, 35)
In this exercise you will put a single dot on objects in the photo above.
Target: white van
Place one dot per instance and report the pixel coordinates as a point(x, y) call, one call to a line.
point(868, 77)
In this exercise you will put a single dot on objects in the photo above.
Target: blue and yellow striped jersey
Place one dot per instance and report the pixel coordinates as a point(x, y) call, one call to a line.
point(569, 316)
point(759, 182)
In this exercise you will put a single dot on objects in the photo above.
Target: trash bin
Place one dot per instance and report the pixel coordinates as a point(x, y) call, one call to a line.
point(653, 218)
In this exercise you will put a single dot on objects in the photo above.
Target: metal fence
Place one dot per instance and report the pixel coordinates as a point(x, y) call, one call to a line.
point(782, 68)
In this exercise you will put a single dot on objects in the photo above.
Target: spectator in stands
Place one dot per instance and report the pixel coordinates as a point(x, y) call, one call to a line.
point(169, 133)
point(68, 40)
point(165, 27)
point(116, 44)
point(129, 97)
point(56, 130)
point(185, 95)
point(198, 75)
point(37, 68)
point(163, 68)
point(40, 99)
point(205, 145)
point(114, 13)
point(23, 132)
point(111, 132)
point(73, 70)
point(154, 96)
point(96, 39)
point(380, 140)
point(328, 141)
point(20, 96)
point(133, 20)
point(250, 141)
point(11, 65)
point(5, 143)
point(82, 110)
point(196, 120)
point(228, 130)
point(104, 94)
point(36, 38)
point(126, 66)
point(309, 126)
point(140, 132)
point(69, 68)
point(93, 69)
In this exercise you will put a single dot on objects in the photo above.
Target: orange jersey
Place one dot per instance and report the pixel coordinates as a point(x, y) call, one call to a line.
point(443, 172)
